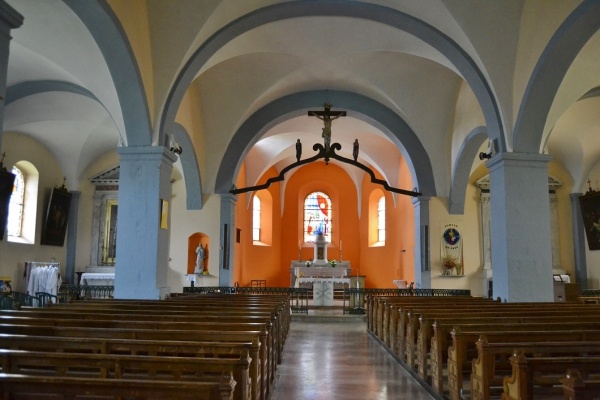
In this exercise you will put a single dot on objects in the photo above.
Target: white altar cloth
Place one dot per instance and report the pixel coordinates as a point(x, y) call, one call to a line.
point(327, 280)
point(97, 279)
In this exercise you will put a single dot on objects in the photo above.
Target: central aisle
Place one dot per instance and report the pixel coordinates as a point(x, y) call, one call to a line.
point(325, 360)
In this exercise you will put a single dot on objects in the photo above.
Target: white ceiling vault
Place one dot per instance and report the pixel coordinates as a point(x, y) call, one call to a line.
point(444, 68)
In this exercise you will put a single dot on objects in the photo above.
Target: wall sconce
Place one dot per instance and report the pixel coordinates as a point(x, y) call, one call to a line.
point(174, 146)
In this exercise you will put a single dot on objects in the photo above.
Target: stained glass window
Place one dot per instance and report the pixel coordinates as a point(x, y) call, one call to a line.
point(317, 216)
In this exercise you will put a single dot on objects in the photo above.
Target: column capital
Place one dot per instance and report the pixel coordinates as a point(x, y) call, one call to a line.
point(530, 160)
point(9, 16)
point(420, 201)
point(146, 152)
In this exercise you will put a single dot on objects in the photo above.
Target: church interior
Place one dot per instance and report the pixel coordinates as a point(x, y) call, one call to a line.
point(468, 129)
point(176, 174)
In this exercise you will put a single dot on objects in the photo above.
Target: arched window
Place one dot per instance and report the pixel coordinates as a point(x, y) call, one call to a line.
point(317, 216)
point(256, 219)
point(381, 220)
point(22, 210)
point(15, 208)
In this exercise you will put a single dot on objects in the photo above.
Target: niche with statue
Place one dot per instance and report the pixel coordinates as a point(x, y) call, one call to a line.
point(198, 245)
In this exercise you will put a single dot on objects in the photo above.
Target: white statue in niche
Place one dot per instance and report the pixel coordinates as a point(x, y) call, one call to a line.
point(200, 255)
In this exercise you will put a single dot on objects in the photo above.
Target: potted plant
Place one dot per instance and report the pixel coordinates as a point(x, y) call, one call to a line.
point(450, 265)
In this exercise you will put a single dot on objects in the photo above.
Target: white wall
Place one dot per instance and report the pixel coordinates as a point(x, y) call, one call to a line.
point(185, 223)
point(20, 147)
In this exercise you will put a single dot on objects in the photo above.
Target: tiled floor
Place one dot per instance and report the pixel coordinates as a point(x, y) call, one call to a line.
point(340, 360)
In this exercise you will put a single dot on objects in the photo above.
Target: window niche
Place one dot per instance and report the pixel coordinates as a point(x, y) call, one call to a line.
point(104, 225)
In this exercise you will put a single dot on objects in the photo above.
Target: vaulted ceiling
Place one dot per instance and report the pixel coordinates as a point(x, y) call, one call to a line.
point(62, 90)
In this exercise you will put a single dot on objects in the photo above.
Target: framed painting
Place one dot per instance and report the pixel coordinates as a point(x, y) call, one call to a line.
point(590, 210)
point(57, 218)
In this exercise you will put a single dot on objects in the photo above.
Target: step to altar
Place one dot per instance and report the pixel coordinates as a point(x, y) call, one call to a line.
point(328, 315)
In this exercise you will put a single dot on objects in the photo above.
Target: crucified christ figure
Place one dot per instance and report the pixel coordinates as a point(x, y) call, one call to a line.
point(327, 116)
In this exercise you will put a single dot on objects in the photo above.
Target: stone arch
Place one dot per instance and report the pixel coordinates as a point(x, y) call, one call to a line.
point(462, 169)
point(191, 172)
point(359, 106)
point(332, 8)
point(553, 64)
point(112, 41)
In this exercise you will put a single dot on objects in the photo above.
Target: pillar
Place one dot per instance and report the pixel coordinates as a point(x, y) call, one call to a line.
point(486, 276)
point(9, 19)
point(227, 239)
point(72, 238)
point(579, 241)
point(520, 227)
point(422, 240)
point(142, 231)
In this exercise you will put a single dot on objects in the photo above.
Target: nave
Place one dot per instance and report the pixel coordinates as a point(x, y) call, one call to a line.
point(340, 360)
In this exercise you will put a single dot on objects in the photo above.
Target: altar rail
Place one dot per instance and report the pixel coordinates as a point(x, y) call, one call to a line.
point(354, 300)
point(78, 292)
point(298, 296)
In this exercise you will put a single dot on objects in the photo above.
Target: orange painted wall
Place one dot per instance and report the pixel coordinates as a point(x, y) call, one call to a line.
point(271, 261)
point(382, 264)
point(258, 260)
point(333, 181)
point(405, 223)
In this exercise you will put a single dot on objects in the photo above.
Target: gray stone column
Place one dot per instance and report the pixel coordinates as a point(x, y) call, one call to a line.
point(520, 227)
point(422, 240)
point(72, 238)
point(484, 197)
point(142, 244)
point(579, 241)
point(227, 239)
point(9, 19)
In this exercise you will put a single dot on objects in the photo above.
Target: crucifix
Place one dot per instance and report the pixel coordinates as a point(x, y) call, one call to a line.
point(327, 116)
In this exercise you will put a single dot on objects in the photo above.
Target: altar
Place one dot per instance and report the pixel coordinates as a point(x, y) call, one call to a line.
point(322, 278)
point(97, 279)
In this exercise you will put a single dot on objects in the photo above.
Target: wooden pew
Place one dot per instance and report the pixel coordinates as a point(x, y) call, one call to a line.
point(387, 317)
point(202, 306)
point(153, 348)
point(378, 308)
point(576, 388)
point(464, 342)
point(444, 325)
point(110, 366)
point(395, 317)
point(533, 375)
point(30, 387)
point(264, 387)
point(408, 314)
point(280, 321)
point(268, 341)
point(490, 366)
point(418, 321)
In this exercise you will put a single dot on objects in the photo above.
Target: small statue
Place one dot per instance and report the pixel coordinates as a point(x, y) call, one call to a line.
point(355, 149)
point(298, 150)
point(200, 254)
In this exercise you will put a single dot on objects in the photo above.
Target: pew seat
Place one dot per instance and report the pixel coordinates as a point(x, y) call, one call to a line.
point(18, 386)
